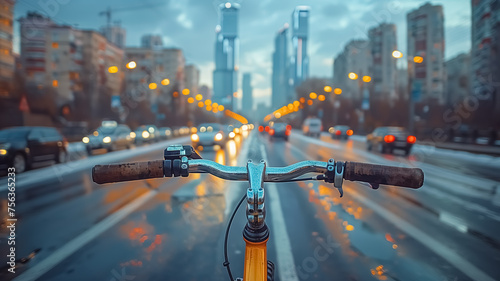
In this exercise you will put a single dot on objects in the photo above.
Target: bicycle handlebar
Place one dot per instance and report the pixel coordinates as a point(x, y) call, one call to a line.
point(353, 171)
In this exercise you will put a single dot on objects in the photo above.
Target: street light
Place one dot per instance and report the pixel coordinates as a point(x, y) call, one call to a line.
point(113, 69)
point(152, 86)
point(353, 76)
point(418, 59)
point(367, 79)
point(337, 91)
point(313, 95)
point(327, 89)
point(165, 82)
point(397, 54)
point(131, 65)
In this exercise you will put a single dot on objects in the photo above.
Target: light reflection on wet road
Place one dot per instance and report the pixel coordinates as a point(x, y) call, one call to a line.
point(177, 234)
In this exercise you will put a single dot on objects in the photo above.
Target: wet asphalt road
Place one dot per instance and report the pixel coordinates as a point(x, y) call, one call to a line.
point(172, 229)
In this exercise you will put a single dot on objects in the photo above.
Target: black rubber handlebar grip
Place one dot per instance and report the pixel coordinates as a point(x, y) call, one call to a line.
point(127, 171)
point(406, 177)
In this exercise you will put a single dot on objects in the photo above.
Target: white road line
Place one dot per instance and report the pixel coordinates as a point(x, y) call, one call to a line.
point(285, 263)
point(77, 243)
point(432, 244)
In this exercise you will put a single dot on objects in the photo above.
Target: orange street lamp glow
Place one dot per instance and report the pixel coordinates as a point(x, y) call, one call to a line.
point(397, 54)
point(131, 65)
point(309, 102)
point(353, 76)
point(337, 91)
point(199, 97)
point(367, 79)
point(165, 82)
point(55, 83)
point(296, 103)
point(152, 86)
point(190, 100)
point(209, 108)
point(113, 69)
point(327, 89)
point(321, 97)
point(313, 95)
point(208, 102)
point(185, 92)
point(176, 94)
point(290, 106)
point(215, 110)
point(220, 107)
point(418, 59)
point(302, 100)
point(277, 115)
point(200, 104)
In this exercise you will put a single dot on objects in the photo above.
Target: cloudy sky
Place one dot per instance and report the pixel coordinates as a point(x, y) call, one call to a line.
point(190, 25)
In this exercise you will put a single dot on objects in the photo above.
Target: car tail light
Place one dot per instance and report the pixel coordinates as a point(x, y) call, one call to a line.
point(411, 139)
point(287, 132)
point(271, 132)
point(338, 132)
point(261, 128)
point(349, 132)
point(389, 138)
point(288, 127)
point(266, 128)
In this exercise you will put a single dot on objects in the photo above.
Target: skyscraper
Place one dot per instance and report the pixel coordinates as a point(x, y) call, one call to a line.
point(300, 60)
point(280, 78)
point(426, 40)
point(485, 57)
point(247, 102)
point(382, 43)
point(226, 55)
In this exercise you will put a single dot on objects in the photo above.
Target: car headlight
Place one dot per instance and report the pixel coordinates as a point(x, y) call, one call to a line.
point(145, 134)
point(195, 137)
point(232, 134)
point(85, 140)
point(218, 137)
point(3, 151)
point(133, 135)
point(106, 139)
point(167, 132)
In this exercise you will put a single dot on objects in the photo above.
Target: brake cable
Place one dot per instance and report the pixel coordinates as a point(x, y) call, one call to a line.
point(226, 260)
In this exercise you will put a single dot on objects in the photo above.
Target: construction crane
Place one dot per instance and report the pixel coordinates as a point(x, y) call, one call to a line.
point(109, 11)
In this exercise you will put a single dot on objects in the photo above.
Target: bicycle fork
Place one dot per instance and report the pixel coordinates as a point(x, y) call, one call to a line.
point(256, 232)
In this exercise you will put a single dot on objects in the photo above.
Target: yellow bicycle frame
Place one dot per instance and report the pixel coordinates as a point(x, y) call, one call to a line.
point(255, 261)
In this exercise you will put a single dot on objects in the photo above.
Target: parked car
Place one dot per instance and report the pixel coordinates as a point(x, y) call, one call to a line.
point(387, 139)
point(209, 134)
point(340, 132)
point(20, 147)
point(312, 126)
point(279, 130)
point(146, 134)
point(165, 133)
point(109, 136)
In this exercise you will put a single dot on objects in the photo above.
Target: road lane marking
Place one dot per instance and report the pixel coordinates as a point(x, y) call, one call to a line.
point(432, 244)
point(77, 243)
point(286, 264)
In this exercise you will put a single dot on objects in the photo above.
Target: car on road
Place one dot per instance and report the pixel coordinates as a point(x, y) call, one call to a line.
point(312, 126)
point(279, 130)
point(387, 139)
point(146, 134)
point(340, 132)
point(209, 134)
point(109, 136)
point(20, 147)
point(165, 133)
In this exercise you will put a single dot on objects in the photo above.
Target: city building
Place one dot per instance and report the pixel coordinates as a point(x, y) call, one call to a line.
point(383, 42)
point(69, 72)
point(226, 55)
point(356, 58)
point(402, 83)
point(281, 88)
point(163, 68)
point(247, 102)
point(6, 57)
point(485, 51)
point(457, 81)
point(205, 92)
point(192, 76)
point(300, 30)
point(115, 34)
point(426, 53)
point(152, 41)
